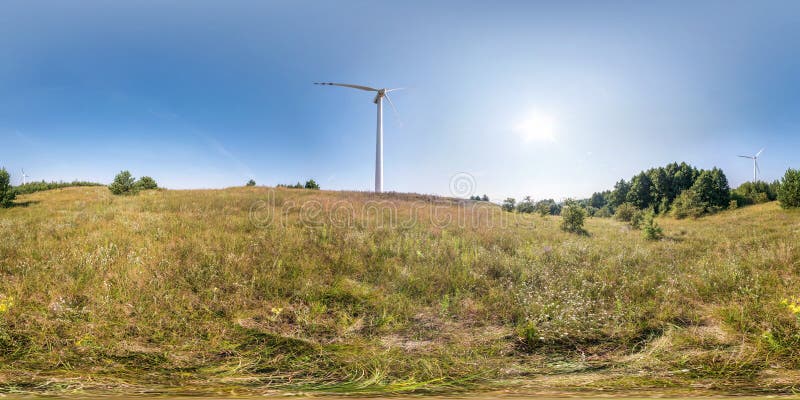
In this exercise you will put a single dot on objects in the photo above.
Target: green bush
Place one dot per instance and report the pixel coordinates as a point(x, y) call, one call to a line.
point(509, 204)
point(250, 183)
point(637, 219)
point(572, 216)
point(310, 184)
point(651, 229)
point(146, 183)
point(526, 206)
point(33, 187)
point(625, 212)
point(754, 193)
point(789, 189)
point(123, 184)
point(7, 194)
point(604, 212)
point(688, 204)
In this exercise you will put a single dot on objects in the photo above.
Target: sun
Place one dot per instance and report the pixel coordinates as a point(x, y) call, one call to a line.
point(536, 126)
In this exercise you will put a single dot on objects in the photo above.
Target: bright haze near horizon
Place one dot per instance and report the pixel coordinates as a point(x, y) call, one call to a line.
point(551, 100)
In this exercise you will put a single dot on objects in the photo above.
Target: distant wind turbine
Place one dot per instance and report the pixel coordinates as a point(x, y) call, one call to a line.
point(756, 170)
point(24, 177)
point(381, 93)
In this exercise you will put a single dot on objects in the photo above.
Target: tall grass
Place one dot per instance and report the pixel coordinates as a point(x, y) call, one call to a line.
point(182, 287)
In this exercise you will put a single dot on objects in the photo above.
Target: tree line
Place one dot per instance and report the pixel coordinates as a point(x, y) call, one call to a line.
point(679, 189)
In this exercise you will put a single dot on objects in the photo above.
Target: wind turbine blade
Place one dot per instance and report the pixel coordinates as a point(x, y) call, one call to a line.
point(759, 152)
point(391, 104)
point(746, 157)
point(367, 88)
point(396, 113)
point(395, 89)
point(758, 169)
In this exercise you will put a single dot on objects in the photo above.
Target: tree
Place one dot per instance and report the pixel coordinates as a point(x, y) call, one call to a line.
point(485, 198)
point(310, 184)
point(572, 217)
point(7, 194)
point(640, 194)
point(789, 190)
point(250, 183)
point(651, 229)
point(712, 190)
point(526, 205)
point(509, 204)
point(620, 193)
point(599, 199)
point(123, 184)
point(146, 183)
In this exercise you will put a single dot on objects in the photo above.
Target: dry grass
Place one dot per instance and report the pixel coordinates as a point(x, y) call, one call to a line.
point(196, 288)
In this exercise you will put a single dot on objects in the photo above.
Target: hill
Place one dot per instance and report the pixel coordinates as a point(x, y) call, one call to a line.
point(259, 289)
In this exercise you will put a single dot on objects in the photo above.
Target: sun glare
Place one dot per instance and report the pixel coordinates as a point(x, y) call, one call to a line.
point(536, 126)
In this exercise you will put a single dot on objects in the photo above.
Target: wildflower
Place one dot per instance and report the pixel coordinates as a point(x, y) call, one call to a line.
point(5, 304)
point(793, 305)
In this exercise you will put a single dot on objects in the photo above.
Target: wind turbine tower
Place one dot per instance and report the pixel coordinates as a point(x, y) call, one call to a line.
point(756, 170)
point(24, 177)
point(379, 95)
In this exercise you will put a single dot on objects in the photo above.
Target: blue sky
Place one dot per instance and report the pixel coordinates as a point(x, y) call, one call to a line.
point(532, 98)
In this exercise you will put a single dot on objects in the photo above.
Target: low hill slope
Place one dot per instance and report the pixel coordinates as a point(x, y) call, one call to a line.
point(277, 288)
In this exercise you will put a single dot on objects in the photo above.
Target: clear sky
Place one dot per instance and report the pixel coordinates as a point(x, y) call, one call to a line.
point(546, 99)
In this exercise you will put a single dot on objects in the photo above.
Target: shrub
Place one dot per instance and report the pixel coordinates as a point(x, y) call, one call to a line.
point(526, 205)
point(146, 183)
point(509, 204)
point(637, 219)
point(7, 194)
point(625, 212)
point(604, 212)
point(651, 229)
point(33, 187)
point(572, 216)
point(123, 184)
point(754, 193)
point(250, 183)
point(688, 204)
point(310, 184)
point(789, 189)
point(733, 205)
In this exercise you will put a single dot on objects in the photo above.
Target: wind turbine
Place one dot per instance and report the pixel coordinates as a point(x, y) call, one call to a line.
point(380, 94)
point(756, 170)
point(24, 176)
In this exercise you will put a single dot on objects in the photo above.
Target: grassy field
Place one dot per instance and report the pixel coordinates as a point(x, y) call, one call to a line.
point(260, 289)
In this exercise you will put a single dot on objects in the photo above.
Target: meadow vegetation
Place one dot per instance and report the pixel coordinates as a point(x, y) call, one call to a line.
point(257, 288)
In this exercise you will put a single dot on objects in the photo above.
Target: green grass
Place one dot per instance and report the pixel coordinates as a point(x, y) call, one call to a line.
point(194, 289)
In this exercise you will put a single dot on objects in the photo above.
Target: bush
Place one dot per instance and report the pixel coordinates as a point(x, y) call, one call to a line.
point(625, 212)
point(637, 219)
point(7, 194)
point(688, 204)
point(509, 204)
point(604, 212)
point(123, 184)
point(733, 205)
point(526, 206)
point(33, 187)
point(310, 184)
point(146, 183)
point(651, 229)
point(572, 216)
point(789, 189)
point(250, 183)
point(754, 193)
